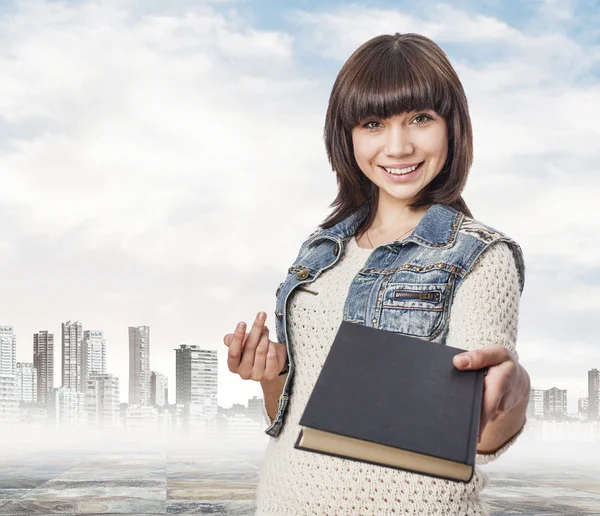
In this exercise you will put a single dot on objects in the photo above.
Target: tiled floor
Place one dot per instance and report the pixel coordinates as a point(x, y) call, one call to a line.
point(147, 483)
point(165, 479)
point(552, 479)
point(128, 478)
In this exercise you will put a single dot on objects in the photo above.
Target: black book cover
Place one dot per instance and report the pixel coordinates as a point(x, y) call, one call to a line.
point(399, 391)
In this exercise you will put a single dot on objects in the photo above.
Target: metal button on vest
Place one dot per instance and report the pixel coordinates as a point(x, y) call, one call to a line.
point(302, 274)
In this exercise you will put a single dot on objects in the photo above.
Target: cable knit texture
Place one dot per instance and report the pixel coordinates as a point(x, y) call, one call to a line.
point(296, 482)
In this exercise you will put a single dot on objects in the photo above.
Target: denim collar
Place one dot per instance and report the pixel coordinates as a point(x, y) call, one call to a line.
point(437, 228)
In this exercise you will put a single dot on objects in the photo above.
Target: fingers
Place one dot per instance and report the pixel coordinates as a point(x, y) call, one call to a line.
point(276, 359)
point(499, 410)
point(272, 368)
point(260, 356)
point(491, 402)
point(253, 355)
point(502, 371)
point(247, 361)
point(487, 356)
point(234, 354)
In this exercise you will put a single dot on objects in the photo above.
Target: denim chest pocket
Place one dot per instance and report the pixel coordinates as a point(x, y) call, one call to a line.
point(415, 309)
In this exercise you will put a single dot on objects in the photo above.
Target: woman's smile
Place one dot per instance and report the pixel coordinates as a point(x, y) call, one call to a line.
point(402, 174)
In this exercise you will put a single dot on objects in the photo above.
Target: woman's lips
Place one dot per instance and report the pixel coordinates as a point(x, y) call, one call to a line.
point(400, 178)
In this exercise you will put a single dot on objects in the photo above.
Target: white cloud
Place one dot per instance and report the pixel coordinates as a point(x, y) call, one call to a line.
point(559, 10)
point(147, 114)
point(338, 33)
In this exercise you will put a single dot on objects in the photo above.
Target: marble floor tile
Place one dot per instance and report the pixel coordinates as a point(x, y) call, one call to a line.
point(16, 475)
point(540, 495)
point(117, 472)
point(216, 508)
point(85, 505)
point(18, 507)
point(12, 494)
point(202, 490)
point(98, 488)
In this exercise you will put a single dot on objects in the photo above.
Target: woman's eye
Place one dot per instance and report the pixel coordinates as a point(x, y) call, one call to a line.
point(371, 125)
point(422, 119)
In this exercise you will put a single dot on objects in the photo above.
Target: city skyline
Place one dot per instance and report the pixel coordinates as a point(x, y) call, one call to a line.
point(90, 396)
point(100, 355)
point(43, 341)
point(96, 400)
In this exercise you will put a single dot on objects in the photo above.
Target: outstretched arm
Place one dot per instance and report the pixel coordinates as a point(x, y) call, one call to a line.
point(484, 320)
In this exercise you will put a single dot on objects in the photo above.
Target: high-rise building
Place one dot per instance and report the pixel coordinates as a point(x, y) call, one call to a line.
point(555, 401)
point(43, 361)
point(196, 380)
point(8, 351)
point(582, 407)
point(9, 400)
point(139, 365)
point(66, 407)
point(102, 400)
point(27, 390)
point(535, 407)
point(72, 335)
point(159, 393)
point(93, 355)
point(593, 395)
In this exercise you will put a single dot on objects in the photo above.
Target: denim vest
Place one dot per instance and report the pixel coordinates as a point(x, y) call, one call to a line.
point(405, 287)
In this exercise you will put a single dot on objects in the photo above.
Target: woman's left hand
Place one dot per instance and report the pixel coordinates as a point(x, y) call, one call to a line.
point(506, 384)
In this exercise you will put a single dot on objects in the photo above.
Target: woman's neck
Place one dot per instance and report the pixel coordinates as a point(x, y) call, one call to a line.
point(395, 218)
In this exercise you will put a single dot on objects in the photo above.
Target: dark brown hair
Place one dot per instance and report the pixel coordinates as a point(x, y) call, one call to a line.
point(390, 75)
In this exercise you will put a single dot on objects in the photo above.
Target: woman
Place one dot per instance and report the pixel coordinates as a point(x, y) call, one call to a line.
point(398, 136)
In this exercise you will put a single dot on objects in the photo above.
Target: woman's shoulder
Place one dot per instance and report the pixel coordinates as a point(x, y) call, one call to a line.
point(482, 231)
point(500, 253)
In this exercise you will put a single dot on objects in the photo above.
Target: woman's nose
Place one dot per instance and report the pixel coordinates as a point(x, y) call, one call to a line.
point(397, 142)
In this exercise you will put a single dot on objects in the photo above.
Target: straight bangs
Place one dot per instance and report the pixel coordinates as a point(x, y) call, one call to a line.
point(393, 86)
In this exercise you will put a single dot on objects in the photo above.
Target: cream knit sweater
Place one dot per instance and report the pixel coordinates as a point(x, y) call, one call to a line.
point(296, 482)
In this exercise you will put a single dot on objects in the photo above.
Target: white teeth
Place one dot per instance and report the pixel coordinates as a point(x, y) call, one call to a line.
point(400, 171)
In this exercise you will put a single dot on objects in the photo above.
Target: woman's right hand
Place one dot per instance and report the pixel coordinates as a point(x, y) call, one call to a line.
point(252, 355)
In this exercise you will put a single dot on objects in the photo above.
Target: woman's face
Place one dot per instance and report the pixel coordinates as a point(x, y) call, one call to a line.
point(415, 138)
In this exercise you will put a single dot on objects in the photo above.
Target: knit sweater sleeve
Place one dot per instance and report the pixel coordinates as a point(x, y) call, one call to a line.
point(485, 311)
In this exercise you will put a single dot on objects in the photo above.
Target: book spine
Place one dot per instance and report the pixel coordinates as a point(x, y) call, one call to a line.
point(479, 379)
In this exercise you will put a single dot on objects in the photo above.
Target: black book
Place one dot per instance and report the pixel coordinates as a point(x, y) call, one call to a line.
point(395, 401)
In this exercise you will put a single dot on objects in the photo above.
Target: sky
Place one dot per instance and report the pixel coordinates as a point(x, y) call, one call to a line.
point(160, 164)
